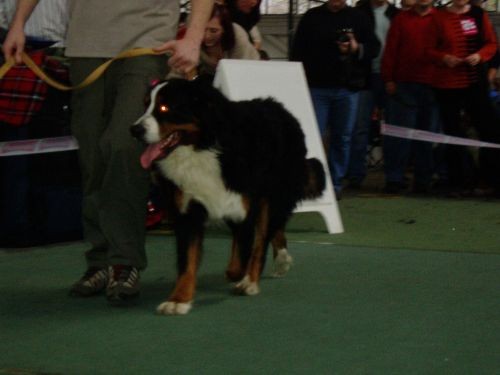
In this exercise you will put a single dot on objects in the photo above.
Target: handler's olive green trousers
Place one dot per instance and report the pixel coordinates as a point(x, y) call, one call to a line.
point(115, 187)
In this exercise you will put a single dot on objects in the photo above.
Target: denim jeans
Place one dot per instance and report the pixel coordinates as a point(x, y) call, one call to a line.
point(370, 99)
point(412, 106)
point(336, 110)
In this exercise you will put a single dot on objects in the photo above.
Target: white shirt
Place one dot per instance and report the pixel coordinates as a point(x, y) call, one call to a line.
point(48, 21)
point(382, 24)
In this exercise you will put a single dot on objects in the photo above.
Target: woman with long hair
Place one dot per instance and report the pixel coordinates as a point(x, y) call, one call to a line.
point(224, 40)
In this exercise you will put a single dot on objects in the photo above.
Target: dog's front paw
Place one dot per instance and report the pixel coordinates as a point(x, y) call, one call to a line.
point(247, 287)
point(174, 308)
point(282, 263)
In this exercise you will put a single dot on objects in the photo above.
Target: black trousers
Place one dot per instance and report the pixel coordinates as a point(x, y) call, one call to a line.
point(477, 105)
point(14, 188)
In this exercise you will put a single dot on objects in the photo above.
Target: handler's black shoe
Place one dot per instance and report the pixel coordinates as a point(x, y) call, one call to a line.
point(123, 285)
point(93, 282)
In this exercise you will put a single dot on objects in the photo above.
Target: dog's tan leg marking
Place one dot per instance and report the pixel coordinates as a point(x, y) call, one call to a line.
point(282, 259)
point(178, 199)
point(234, 271)
point(181, 299)
point(249, 285)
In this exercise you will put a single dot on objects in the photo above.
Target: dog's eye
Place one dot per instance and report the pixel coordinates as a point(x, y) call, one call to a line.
point(163, 108)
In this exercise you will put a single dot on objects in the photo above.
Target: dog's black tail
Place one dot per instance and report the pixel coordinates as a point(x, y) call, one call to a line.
point(315, 179)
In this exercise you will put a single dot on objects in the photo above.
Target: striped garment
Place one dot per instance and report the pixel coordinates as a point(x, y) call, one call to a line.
point(22, 94)
point(460, 35)
point(48, 21)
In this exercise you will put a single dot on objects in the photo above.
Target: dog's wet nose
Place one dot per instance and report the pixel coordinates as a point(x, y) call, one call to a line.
point(137, 131)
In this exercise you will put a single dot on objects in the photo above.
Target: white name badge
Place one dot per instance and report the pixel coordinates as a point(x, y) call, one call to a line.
point(469, 26)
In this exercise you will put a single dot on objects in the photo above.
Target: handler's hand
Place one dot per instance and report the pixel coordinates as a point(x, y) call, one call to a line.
point(13, 45)
point(184, 54)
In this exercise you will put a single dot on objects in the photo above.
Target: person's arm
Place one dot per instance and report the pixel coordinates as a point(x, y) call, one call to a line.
point(185, 52)
point(243, 49)
point(367, 46)
point(434, 44)
point(299, 44)
point(490, 44)
point(256, 37)
point(390, 56)
point(15, 39)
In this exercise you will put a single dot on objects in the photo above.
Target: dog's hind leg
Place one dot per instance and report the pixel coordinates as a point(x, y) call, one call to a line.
point(235, 271)
point(249, 285)
point(282, 259)
point(189, 231)
point(240, 249)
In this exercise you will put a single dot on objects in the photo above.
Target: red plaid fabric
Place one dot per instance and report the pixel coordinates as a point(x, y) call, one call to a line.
point(22, 93)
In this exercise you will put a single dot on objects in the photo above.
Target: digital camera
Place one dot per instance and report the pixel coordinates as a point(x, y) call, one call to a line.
point(342, 35)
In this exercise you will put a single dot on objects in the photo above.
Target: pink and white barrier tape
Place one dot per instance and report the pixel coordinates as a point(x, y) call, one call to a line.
point(422, 135)
point(45, 145)
point(38, 146)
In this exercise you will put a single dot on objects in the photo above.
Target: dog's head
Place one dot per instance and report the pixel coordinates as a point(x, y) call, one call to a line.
point(174, 110)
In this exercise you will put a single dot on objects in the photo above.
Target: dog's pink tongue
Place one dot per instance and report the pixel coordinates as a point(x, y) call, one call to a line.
point(151, 153)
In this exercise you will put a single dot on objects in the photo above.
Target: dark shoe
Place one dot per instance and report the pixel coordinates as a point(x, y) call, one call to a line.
point(392, 187)
point(93, 282)
point(123, 285)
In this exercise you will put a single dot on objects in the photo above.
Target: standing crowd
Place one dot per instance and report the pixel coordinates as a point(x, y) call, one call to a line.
point(418, 67)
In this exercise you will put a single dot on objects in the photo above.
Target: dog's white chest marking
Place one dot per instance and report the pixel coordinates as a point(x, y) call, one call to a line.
point(198, 175)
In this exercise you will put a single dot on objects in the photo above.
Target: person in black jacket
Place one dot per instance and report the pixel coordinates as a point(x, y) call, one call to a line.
point(373, 96)
point(336, 44)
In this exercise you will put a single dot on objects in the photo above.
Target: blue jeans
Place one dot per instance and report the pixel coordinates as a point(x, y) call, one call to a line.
point(336, 110)
point(412, 106)
point(370, 99)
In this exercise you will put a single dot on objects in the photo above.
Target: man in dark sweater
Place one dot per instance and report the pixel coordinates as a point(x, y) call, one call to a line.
point(336, 44)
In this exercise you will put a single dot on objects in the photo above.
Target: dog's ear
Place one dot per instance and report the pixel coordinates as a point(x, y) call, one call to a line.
point(208, 103)
point(202, 86)
point(204, 93)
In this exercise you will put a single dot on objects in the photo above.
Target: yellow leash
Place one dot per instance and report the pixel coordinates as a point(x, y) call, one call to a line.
point(90, 78)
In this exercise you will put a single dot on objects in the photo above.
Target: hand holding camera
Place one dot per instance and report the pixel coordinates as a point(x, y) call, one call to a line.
point(346, 41)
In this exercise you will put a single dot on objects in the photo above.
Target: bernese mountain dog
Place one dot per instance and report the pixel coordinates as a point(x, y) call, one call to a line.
point(241, 162)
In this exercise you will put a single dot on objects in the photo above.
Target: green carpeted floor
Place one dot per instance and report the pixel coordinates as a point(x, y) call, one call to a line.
point(401, 222)
point(412, 287)
point(409, 223)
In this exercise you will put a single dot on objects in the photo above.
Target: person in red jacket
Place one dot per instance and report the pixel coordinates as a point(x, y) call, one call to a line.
point(461, 41)
point(407, 74)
